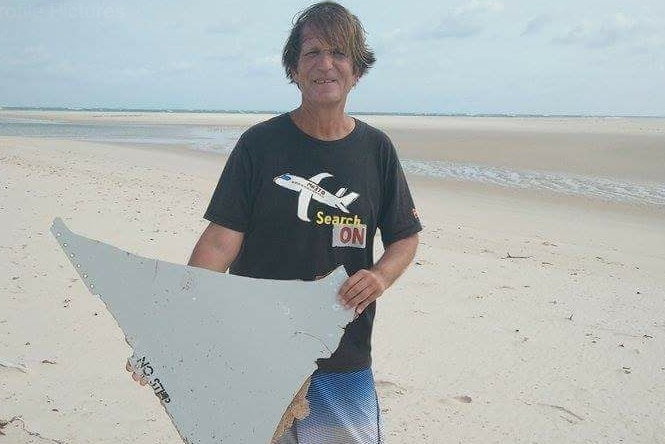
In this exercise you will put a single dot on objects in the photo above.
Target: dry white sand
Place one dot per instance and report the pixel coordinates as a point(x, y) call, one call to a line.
point(562, 342)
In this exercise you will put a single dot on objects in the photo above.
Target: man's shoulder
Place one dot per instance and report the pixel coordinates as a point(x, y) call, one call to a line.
point(270, 127)
point(372, 131)
point(376, 137)
point(265, 136)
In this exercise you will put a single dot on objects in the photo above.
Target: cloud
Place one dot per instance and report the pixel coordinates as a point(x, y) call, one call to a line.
point(63, 68)
point(31, 62)
point(179, 66)
point(33, 56)
point(264, 66)
point(226, 25)
point(466, 20)
point(61, 11)
point(536, 25)
point(605, 32)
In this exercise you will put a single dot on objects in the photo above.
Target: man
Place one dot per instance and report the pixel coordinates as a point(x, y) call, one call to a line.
point(304, 193)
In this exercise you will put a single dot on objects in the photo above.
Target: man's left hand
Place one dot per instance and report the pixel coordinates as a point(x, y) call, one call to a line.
point(361, 289)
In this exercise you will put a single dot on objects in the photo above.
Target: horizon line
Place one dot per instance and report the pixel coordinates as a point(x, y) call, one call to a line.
point(367, 113)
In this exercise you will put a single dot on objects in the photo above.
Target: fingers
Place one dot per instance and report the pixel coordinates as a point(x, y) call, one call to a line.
point(137, 374)
point(361, 289)
point(143, 373)
point(141, 379)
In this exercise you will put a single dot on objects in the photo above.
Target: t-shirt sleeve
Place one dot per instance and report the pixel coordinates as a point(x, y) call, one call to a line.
point(231, 202)
point(398, 218)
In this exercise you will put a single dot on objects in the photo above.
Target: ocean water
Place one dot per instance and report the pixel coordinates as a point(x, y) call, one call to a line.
point(611, 189)
point(206, 138)
point(223, 139)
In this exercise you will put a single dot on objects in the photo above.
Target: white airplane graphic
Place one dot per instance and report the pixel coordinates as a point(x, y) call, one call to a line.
point(310, 189)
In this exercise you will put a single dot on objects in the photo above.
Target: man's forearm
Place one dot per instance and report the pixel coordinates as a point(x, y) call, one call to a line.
point(395, 259)
point(366, 286)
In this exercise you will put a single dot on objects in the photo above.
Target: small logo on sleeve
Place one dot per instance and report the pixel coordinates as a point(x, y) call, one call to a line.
point(347, 235)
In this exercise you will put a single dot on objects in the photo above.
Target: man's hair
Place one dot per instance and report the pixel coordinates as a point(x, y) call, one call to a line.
point(337, 27)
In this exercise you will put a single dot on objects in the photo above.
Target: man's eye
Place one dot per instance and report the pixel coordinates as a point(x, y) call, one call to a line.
point(314, 53)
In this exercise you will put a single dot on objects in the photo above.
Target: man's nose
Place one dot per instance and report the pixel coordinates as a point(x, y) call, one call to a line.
point(326, 59)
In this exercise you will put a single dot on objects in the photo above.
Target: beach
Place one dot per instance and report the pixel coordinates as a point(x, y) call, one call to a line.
point(534, 311)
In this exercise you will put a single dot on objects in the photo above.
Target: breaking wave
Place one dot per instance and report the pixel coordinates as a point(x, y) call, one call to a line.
point(603, 188)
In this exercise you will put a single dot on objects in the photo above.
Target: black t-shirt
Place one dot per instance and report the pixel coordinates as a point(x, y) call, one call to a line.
point(307, 206)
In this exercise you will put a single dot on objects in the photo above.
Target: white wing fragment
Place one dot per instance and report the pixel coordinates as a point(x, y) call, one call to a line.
point(225, 354)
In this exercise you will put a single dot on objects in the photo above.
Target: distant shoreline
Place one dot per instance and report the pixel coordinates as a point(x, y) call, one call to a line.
point(614, 159)
point(359, 113)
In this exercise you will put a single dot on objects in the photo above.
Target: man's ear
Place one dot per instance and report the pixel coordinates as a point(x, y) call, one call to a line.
point(356, 75)
point(294, 76)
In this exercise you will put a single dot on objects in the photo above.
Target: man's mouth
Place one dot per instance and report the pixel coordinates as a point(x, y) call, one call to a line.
point(323, 81)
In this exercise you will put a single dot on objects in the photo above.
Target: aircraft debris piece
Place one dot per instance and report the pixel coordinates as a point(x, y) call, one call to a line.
point(224, 354)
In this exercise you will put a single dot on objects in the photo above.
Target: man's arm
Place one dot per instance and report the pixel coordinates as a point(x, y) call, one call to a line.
point(365, 286)
point(217, 248)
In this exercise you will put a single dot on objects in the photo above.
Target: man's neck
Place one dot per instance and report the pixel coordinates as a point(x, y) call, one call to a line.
point(323, 124)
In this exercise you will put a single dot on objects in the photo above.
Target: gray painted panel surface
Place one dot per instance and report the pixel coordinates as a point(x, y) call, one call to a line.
point(224, 353)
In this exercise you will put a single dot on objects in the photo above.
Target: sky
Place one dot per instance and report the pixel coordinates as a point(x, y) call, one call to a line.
point(573, 57)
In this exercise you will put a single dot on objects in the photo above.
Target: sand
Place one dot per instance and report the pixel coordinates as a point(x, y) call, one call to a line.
point(526, 316)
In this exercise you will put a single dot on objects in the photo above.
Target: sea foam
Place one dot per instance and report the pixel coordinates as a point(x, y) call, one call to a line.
point(599, 187)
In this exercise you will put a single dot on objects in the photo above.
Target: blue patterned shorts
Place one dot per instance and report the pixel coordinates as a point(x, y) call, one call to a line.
point(344, 409)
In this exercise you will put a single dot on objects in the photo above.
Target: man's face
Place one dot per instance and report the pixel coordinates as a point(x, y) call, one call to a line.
point(324, 74)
